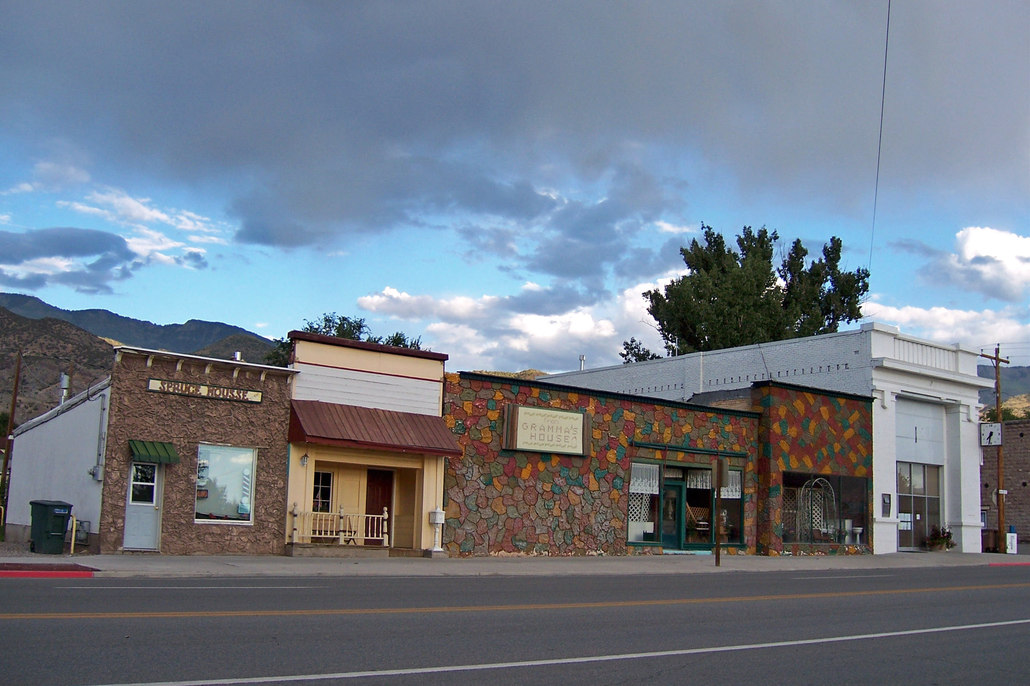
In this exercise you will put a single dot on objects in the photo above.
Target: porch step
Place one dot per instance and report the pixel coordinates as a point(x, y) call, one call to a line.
point(343, 551)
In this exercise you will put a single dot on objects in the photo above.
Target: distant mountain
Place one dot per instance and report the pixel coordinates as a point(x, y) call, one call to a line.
point(191, 337)
point(49, 348)
point(1014, 381)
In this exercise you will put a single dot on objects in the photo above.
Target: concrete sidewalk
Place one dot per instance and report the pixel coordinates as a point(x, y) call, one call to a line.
point(157, 565)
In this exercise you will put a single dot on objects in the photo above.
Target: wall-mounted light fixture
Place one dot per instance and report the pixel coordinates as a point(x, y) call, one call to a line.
point(304, 460)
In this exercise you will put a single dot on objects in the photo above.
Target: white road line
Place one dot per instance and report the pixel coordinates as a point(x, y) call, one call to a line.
point(415, 671)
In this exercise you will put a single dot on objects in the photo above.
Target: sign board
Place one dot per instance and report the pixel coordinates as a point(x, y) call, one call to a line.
point(544, 430)
point(203, 391)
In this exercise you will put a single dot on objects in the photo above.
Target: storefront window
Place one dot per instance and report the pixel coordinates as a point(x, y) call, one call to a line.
point(643, 503)
point(821, 508)
point(700, 496)
point(225, 477)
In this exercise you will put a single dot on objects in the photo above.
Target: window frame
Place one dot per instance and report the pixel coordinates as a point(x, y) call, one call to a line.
point(210, 458)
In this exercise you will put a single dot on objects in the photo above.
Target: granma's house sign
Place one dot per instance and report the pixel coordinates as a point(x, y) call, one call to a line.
point(544, 430)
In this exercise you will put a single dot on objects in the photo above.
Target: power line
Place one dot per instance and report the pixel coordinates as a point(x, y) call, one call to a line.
point(879, 142)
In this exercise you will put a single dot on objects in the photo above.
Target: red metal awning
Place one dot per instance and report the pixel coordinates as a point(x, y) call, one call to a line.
point(349, 426)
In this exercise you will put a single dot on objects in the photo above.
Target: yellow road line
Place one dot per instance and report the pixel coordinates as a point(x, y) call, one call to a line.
point(601, 604)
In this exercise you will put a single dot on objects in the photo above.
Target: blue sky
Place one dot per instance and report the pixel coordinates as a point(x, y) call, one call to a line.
point(505, 179)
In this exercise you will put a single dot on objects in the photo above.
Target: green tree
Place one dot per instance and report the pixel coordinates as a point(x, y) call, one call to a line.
point(340, 326)
point(735, 297)
point(635, 351)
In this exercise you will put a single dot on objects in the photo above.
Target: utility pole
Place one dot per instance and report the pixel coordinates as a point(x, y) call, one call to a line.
point(8, 430)
point(998, 360)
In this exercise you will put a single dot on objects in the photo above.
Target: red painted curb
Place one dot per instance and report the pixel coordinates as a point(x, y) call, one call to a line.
point(45, 574)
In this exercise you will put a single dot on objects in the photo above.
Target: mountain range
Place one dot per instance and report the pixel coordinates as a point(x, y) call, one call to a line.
point(80, 344)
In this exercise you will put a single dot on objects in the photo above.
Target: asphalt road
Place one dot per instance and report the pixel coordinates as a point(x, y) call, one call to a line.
point(956, 625)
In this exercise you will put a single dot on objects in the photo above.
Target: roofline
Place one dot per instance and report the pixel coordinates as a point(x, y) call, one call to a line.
point(92, 392)
point(366, 345)
point(614, 395)
point(133, 350)
point(812, 389)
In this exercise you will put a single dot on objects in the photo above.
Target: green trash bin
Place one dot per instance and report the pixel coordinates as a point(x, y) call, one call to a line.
point(49, 524)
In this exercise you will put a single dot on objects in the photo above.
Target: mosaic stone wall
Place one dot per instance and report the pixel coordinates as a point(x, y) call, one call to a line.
point(501, 502)
point(806, 430)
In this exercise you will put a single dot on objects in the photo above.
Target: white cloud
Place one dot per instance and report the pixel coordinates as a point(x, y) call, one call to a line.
point(972, 328)
point(58, 175)
point(666, 227)
point(406, 306)
point(5, 219)
point(989, 261)
point(150, 244)
point(43, 265)
point(23, 187)
point(128, 209)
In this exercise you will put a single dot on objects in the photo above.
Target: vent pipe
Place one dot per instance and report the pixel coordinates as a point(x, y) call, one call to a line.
point(65, 386)
point(582, 362)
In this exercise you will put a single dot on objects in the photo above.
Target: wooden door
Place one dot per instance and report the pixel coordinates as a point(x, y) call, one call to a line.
point(378, 496)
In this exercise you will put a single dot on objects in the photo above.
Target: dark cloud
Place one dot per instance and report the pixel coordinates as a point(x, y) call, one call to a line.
point(112, 258)
point(17, 248)
point(193, 259)
point(917, 248)
point(325, 119)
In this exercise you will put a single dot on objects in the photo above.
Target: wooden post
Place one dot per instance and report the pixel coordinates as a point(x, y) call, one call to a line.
point(9, 429)
point(997, 359)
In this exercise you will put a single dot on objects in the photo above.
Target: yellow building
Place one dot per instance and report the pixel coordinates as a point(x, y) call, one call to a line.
point(367, 447)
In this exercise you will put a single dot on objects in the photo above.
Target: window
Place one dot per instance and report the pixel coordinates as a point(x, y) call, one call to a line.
point(643, 503)
point(144, 484)
point(322, 498)
point(820, 508)
point(225, 479)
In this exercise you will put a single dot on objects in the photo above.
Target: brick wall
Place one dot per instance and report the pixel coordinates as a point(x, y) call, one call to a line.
point(1016, 456)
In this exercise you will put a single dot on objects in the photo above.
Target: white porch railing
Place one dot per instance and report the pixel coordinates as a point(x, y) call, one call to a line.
point(341, 528)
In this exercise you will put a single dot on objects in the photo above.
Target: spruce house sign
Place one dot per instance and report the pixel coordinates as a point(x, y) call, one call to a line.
point(203, 390)
point(543, 430)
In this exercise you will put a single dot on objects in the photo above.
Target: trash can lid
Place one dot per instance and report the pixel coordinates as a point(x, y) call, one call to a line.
point(50, 503)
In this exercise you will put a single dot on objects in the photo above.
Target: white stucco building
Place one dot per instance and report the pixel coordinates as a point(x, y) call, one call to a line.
point(926, 452)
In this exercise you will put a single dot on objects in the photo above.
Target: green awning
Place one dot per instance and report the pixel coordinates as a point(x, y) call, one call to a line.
point(153, 451)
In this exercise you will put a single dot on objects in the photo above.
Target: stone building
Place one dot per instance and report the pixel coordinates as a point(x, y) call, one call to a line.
point(553, 470)
point(173, 453)
point(926, 453)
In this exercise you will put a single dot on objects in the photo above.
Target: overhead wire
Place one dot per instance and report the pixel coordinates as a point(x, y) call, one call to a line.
point(879, 142)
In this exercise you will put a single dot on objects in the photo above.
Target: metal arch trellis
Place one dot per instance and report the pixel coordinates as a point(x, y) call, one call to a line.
point(816, 510)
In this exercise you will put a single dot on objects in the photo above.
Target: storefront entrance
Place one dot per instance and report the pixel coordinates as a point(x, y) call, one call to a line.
point(143, 507)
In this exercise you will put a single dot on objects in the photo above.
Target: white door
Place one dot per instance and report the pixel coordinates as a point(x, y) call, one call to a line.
point(143, 509)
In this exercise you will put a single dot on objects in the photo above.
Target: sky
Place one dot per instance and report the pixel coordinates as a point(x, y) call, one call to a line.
point(504, 180)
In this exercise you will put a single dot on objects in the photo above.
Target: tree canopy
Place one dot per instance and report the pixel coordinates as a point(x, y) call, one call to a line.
point(340, 326)
point(736, 297)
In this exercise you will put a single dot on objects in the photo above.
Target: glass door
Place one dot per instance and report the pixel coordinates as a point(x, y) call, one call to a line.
point(919, 503)
point(672, 515)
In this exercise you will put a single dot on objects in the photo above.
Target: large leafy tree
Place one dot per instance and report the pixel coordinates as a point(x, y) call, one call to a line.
point(340, 326)
point(736, 297)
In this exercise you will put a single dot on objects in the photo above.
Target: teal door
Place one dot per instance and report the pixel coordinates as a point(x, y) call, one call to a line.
point(672, 515)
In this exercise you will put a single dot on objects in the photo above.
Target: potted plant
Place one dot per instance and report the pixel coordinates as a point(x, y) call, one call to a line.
point(939, 538)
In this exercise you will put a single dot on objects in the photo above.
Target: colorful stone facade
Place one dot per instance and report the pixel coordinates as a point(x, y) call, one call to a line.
point(506, 502)
point(811, 431)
